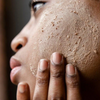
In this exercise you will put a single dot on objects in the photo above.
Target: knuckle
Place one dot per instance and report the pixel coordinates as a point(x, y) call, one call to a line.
point(57, 98)
point(37, 98)
point(73, 83)
point(58, 74)
point(42, 81)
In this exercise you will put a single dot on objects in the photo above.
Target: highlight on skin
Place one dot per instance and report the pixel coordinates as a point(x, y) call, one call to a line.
point(70, 27)
point(70, 39)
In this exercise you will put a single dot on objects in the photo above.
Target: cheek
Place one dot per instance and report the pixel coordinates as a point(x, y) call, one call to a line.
point(42, 44)
point(78, 41)
point(33, 52)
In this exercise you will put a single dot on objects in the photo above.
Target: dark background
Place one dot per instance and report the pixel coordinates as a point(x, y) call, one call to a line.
point(16, 15)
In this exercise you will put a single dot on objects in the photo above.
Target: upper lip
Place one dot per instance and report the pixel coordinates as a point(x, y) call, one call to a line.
point(14, 63)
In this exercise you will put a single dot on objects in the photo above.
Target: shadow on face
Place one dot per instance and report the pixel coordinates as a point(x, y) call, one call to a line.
point(70, 27)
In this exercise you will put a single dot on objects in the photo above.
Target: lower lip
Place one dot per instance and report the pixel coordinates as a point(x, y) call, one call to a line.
point(13, 73)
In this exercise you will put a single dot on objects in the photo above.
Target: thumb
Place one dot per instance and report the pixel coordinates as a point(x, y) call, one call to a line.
point(23, 92)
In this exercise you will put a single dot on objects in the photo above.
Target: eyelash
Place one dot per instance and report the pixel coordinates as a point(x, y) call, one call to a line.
point(33, 4)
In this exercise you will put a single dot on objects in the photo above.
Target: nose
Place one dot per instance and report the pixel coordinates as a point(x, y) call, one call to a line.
point(18, 43)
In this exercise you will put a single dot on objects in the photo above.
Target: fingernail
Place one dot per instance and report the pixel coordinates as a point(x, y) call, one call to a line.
point(57, 58)
point(22, 87)
point(43, 65)
point(70, 69)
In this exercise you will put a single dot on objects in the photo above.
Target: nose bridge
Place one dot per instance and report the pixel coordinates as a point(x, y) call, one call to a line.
point(19, 41)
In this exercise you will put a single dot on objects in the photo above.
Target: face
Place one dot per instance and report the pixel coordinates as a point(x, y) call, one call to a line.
point(71, 27)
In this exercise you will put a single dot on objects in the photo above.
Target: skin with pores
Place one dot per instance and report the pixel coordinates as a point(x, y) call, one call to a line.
point(73, 42)
point(70, 27)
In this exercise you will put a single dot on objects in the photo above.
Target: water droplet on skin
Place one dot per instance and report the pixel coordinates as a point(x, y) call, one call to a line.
point(82, 45)
point(75, 12)
point(48, 37)
point(90, 15)
point(75, 42)
point(60, 37)
point(61, 19)
point(74, 61)
point(40, 41)
point(52, 36)
point(71, 11)
point(76, 33)
point(44, 50)
point(88, 25)
point(90, 31)
point(33, 70)
point(95, 38)
point(84, 28)
point(91, 26)
point(69, 44)
point(55, 18)
point(59, 44)
point(68, 36)
point(57, 34)
point(87, 21)
point(69, 49)
point(50, 12)
point(46, 14)
point(42, 30)
point(79, 37)
point(53, 24)
point(95, 51)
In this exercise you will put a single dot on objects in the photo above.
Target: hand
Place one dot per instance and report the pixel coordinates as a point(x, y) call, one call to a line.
point(54, 81)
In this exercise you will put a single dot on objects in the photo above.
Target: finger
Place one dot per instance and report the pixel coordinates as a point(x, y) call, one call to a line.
point(73, 83)
point(23, 92)
point(42, 81)
point(57, 78)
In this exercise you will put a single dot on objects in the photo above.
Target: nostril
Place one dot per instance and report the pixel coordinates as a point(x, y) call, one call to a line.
point(19, 47)
point(18, 43)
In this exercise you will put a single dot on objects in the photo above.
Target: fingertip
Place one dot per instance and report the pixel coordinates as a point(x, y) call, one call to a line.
point(43, 65)
point(22, 87)
point(72, 77)
point(72, 83)
point(71, 70)
point(23, 92)
point(56, 59)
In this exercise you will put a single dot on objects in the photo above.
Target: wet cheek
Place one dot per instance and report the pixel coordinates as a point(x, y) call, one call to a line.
point(33, 58)
point(78, 41)
point(50, 40)
point(42, 47)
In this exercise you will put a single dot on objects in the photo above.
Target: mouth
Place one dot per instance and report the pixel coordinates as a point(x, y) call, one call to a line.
point(15, 66)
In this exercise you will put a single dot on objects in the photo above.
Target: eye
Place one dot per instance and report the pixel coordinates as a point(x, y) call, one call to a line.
point(37, 5)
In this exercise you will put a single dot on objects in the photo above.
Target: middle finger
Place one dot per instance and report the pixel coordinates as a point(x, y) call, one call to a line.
point(57, 83)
